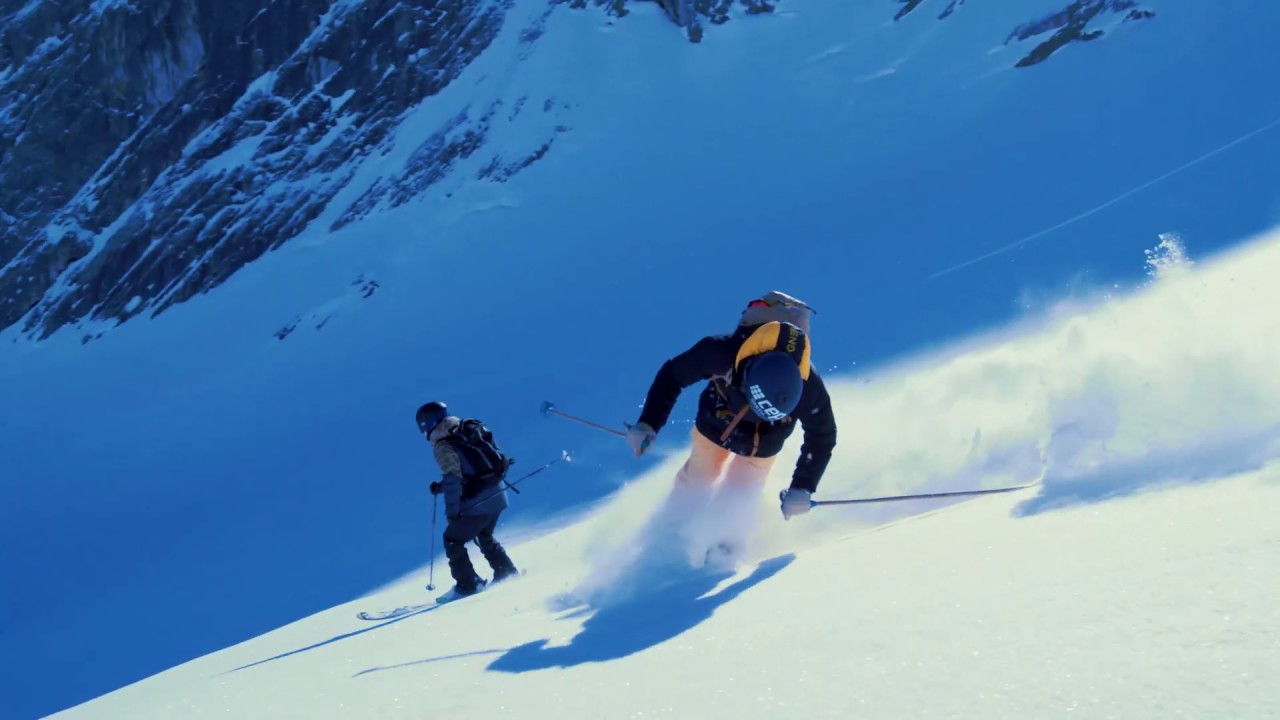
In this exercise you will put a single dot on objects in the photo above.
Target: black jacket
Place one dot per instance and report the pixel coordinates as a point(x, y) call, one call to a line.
point(712, 359)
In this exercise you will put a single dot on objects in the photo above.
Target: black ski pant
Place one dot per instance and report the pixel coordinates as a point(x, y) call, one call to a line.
point(478, 528)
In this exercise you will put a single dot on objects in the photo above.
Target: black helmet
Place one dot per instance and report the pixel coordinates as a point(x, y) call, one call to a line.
point(430, 415)
point(772, 383)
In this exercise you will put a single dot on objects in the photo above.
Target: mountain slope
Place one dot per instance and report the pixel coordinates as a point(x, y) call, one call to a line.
point(208, 133)
point(1099, 400)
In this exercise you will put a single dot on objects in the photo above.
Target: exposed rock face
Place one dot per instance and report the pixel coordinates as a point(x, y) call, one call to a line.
point(1067, 25)
point(688, 14)
point(152, 148)
point(1072, 25)
point(199, 135)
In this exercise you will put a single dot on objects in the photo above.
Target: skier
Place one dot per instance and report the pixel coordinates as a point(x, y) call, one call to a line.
point(760, 383)
point(473, 471)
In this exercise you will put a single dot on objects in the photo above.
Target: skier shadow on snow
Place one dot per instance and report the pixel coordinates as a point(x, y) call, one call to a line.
point(639, 621)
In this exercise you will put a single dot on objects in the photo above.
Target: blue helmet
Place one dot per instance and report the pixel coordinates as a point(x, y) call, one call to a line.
point(430, 415)
point(772, 384)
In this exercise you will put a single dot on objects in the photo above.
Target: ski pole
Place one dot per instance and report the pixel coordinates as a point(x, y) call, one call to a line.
point(894, 498)
point(563, 456)
point(549, 409)
point(431, 576)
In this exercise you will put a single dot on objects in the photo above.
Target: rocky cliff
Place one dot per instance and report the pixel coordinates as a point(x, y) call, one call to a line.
point(152, 148)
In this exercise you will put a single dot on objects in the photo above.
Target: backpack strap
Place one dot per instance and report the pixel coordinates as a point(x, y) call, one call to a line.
point(724, 436)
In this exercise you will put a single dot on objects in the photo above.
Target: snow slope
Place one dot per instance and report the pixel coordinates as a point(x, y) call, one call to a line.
point(1115, 590)
point(184, 484)
point(1159, 605)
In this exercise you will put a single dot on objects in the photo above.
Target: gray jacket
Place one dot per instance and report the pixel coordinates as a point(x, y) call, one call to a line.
point(452, 469)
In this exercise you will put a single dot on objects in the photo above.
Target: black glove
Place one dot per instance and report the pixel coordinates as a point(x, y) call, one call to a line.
point(437, 487)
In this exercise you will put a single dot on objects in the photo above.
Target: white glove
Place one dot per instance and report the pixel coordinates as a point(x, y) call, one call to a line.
point(795, 501)
point(640, 437)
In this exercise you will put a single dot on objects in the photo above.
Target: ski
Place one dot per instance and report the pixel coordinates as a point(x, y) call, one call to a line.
point(394, 613)
point(404, 610)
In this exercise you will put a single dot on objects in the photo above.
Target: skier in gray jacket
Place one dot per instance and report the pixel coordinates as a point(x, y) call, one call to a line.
point(472, 505)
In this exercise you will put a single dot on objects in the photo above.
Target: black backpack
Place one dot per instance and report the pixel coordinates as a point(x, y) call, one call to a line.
point(488, 463)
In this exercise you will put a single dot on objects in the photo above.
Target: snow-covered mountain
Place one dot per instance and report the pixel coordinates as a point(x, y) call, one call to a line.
point(548, 215)
point(151, 149)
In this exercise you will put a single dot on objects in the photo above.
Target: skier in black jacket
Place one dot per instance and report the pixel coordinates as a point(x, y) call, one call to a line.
point(760, 383)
